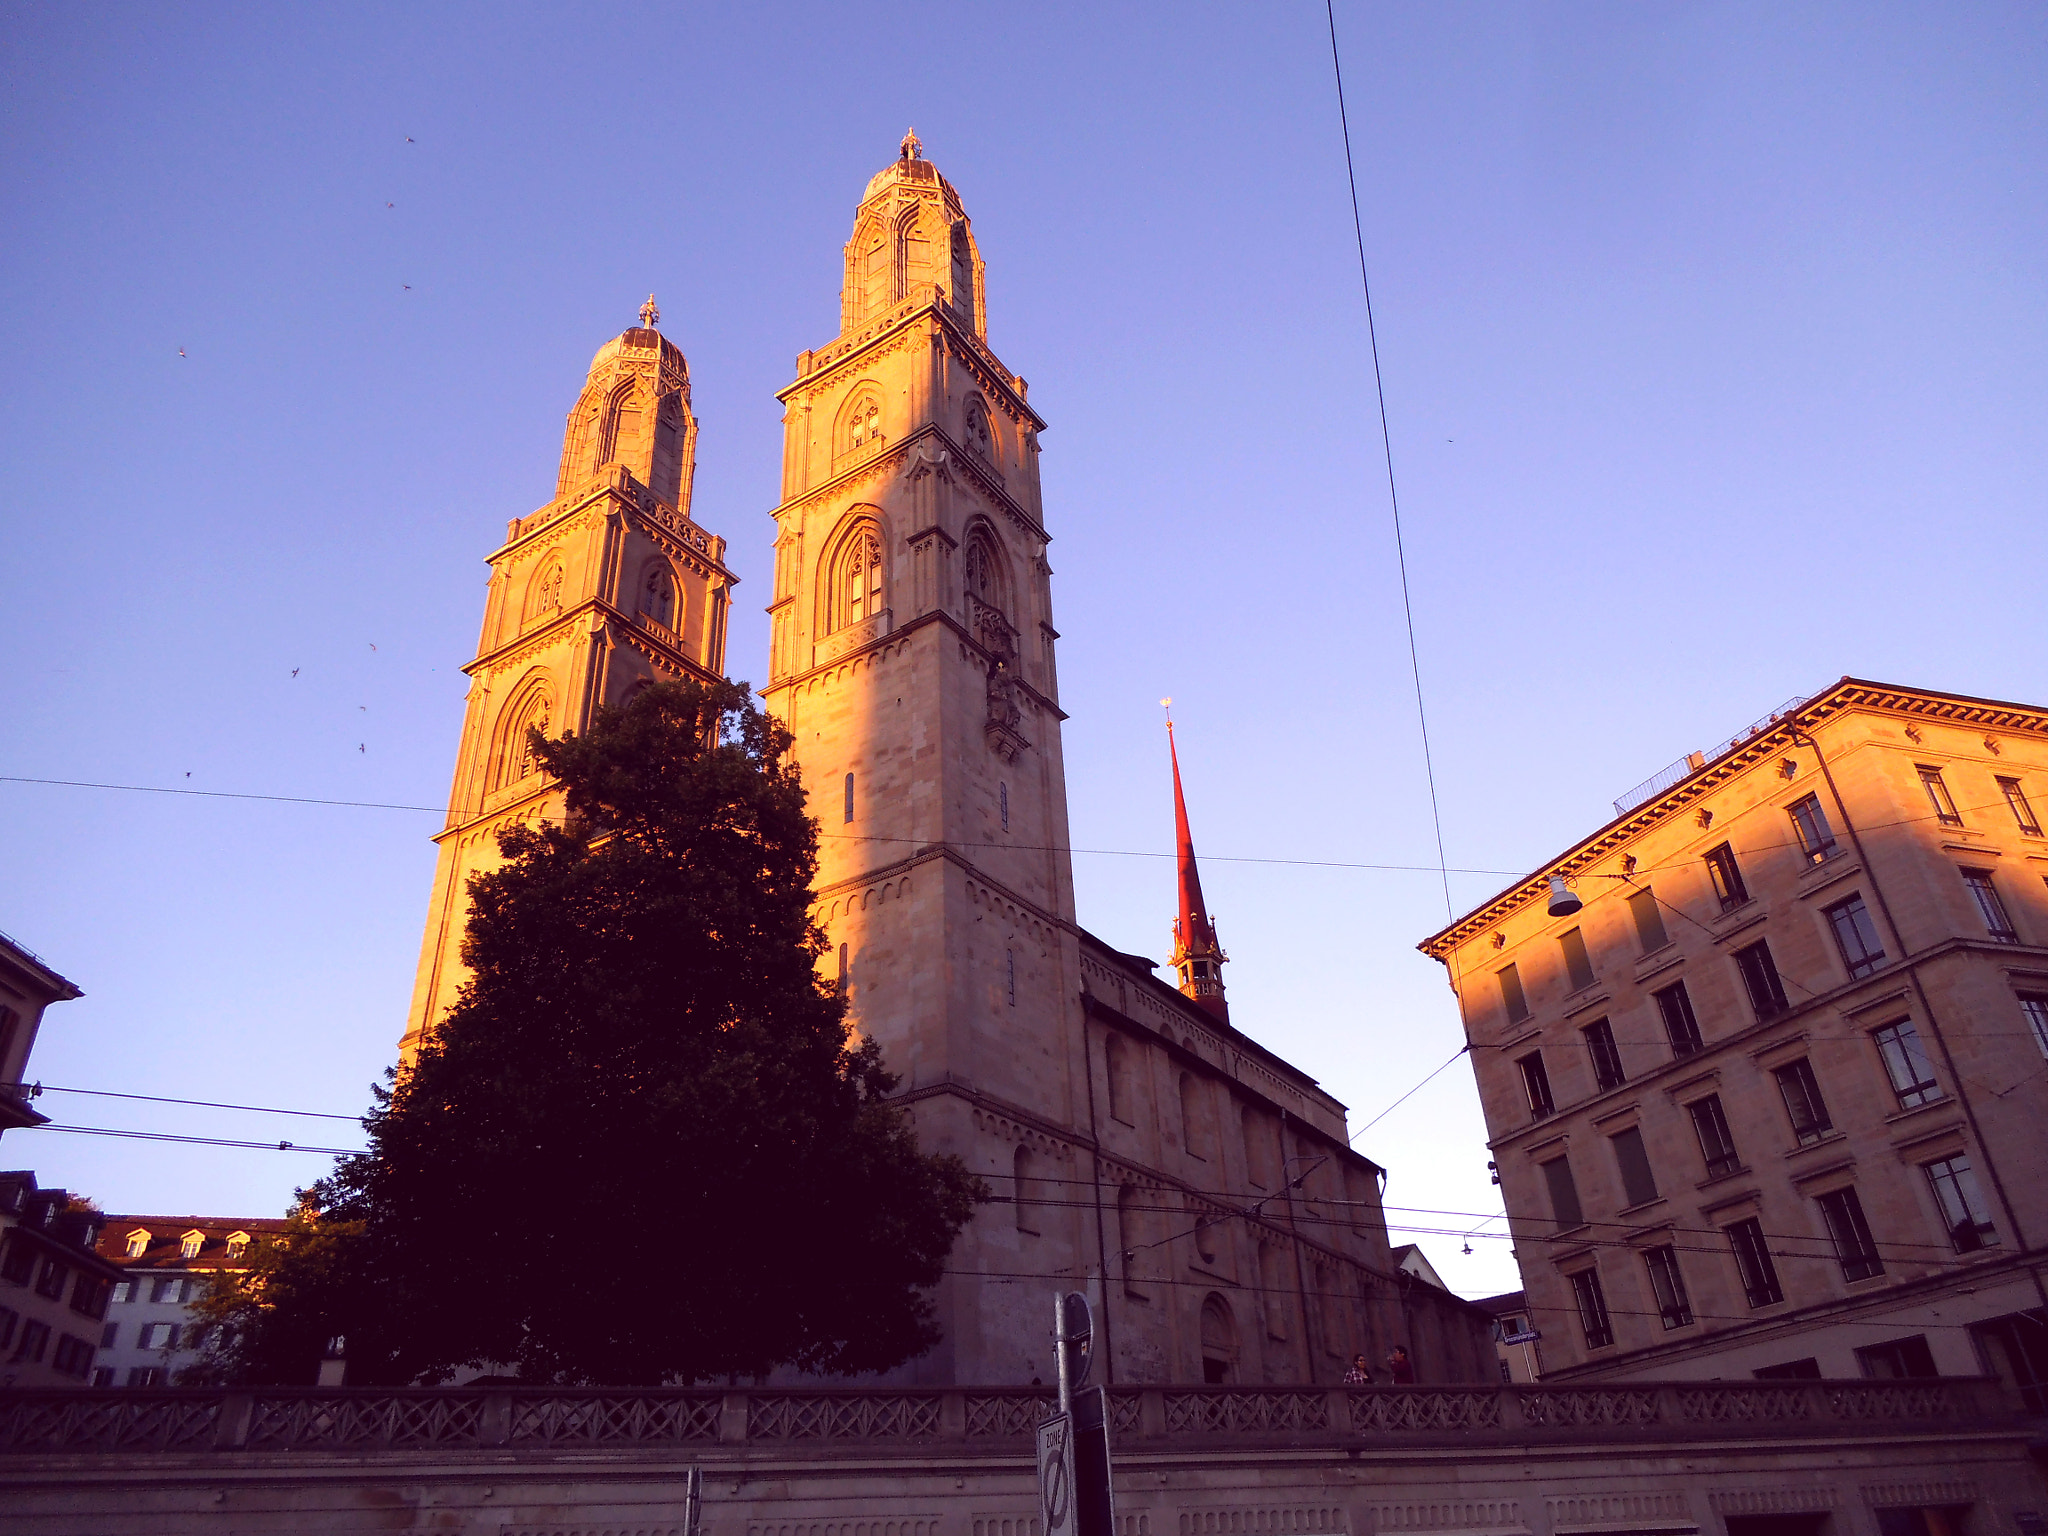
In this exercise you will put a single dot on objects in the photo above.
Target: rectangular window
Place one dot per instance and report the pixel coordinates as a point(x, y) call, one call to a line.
point(159, 1336)
point(50, 1282)
point(17, 1261)
point(73, 1357)
point(1716, 1145)
point(8, 1318)
point(1605, 1056)
point(1681, 1027)
point(1856, 936)
point(1962, 1204)
point(1906, 1064)
point(1760, 980)
point(1816, 837)
point(146, 1376)
point(124, 1291)
point(1898, 1359)
point(1668, 1286)
point(1564, 1193)
point(1642, 906)
point(2023, 813)
point(2035, 1007)
point(162, 1288)
point(1753, 1263)
point(1807, 1369)
point(109, 1334)
point(35, 1338)
point(1938, 796)
point(1578, 966)
point(1727, 877)
point(103, 1376)
point(1850, 1233)
point(89, 1296)
point(1989, 907)
point(1803, 1104)
point(1592, 1309)
point(1536, 1084)
point(1639, 1185)
point(1511, 994)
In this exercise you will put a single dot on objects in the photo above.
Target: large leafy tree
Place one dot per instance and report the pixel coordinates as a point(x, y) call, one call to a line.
point(643, 1145)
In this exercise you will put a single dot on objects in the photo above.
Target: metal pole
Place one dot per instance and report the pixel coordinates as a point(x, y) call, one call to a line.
point(1059, 1349)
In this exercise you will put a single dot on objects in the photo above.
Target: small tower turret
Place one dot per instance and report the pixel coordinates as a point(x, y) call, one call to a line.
point(1196, 955)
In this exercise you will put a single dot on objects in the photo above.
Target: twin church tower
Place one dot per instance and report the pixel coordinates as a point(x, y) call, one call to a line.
point(1124, 1124)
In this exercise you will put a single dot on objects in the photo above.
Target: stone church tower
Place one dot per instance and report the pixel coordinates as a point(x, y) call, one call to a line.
point(1140, 1148)
point(607, 586)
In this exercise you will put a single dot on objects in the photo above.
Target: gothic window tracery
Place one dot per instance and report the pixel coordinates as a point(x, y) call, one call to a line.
point(980, 438)
point(963, 270)
point(621, 423)
point(860, 427)
point(516, 757)
point(658, 595)
point(857, 577)
point(544, 593)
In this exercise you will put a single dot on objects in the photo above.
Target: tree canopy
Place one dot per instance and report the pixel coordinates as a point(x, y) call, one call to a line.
point(643, 1145)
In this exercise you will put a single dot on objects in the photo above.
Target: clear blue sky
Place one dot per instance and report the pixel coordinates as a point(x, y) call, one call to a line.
point(1714, 351)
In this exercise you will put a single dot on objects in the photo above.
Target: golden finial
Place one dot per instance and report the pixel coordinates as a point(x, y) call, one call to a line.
point(911, 147)
point(650, 313)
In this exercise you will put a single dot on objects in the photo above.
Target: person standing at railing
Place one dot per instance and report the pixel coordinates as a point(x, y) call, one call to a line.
point(1400, 1367)
point(1360, 1374)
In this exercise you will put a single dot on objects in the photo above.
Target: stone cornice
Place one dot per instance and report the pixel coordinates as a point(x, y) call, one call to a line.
point(842, 353)
point(1849, 695)
point(938, 616)
point(897, 456)
point(671, 524)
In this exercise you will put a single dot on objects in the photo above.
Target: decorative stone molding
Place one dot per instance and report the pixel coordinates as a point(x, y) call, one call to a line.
point(1476, 1515)
point(1773, 1501)
point(852, 637)
point(1254, 1520)
point(1610, 1509)
point(1920, 1494)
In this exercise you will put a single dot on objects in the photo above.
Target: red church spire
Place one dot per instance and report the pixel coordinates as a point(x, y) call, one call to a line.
point(1196, 954)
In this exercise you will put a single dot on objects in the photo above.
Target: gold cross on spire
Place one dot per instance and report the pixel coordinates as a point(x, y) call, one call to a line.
point(650, 313)
point(912, 149)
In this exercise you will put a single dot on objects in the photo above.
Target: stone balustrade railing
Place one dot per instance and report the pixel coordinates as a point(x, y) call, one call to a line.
point(455, 1419)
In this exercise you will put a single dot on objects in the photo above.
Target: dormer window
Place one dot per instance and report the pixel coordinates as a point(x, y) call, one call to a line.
point(238, 1245)
point(190, 1244)
point(138, 1243)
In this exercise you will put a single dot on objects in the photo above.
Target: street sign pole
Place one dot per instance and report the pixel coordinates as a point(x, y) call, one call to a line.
point(1073, 1445)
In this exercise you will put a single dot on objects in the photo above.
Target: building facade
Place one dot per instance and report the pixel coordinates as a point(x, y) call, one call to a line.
point(1764, 1060)
point(27, 988)
point(1200, 1188)
point(151, 1331)
point(54, 1287)
point(608, 586)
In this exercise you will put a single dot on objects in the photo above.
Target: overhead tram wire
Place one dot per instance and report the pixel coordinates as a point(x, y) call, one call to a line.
point(33, 1089)
point(1387, 445)
point(200, 1141)
point(1119, 853)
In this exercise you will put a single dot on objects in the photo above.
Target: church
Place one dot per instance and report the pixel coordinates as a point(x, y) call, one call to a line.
point(1142, 1149)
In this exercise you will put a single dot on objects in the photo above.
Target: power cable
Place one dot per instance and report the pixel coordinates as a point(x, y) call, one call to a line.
point(1117, 853)
point(199, 1141)
point(31, 1090)
point(1387, 444)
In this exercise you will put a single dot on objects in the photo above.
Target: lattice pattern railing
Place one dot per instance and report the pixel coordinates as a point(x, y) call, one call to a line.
point(1424, 1410)
point(882, 1416)
point(338, 1421)
point(1744, 1405)
point(1890, 1401)
point(107, 1423)
point(995, 1414)
point(1126, 1412)
point(1246, 1412)
point(1589, 1408)
point(612, 1418)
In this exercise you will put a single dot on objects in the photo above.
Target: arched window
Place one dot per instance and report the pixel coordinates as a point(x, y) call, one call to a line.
point(1130, 1238)
point(860, 426)
point(984, 573)
point(980, 438)
point(872, 253)
point(658, 594)
point(856, 590)
point(913, 254)
point(1010, 968)
point(621, 424)
point(544, 593)
point(1003, 803)
point(1117, 1059)
point(1273, 1280)
point(842, 970)
point(1219, 1341)
point(138, 1243)
point(516, 756)
point(666, 477)
point(1024, 1189)
point(849, 798)
point(963, 271)
point(1194, 1130)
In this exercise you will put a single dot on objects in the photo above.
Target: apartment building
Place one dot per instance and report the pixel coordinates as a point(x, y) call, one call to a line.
point(152, 1331)
point(1764, 1060)
point(53, 1287)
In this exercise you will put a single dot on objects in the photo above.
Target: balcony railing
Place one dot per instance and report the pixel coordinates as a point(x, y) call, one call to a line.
point(356, 1420)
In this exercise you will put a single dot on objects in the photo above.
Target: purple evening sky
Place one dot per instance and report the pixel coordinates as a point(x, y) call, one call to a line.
point(1714, 348)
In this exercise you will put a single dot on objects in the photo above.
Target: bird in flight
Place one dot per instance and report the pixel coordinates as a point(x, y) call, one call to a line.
point(373, 645)
point(181, 351)
point(359, 747)
point(188, 773)
point(408, 287)
point(364, 708)
point(408, 138)
point(391, 205)
point(295, 671)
